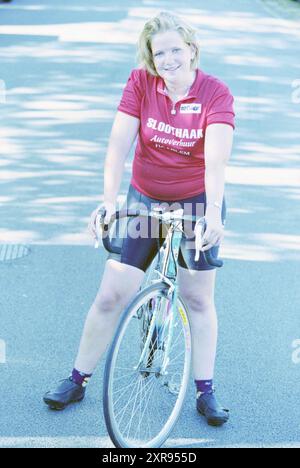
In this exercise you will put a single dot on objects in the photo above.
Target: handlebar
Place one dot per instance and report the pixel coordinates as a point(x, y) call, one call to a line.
point(133, 213)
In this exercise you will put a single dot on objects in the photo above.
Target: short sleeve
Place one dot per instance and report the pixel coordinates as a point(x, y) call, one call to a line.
point(132, 95)
point(220, 108)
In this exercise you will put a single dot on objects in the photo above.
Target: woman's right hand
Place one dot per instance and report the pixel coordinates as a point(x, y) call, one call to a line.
point(110, 209)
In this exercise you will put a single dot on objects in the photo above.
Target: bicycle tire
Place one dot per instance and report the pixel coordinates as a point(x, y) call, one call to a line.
point(108, 408)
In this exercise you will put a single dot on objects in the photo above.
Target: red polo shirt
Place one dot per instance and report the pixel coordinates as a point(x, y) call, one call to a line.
point(169, 159)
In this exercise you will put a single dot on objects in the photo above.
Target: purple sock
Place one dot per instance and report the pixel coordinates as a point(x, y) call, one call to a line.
point(80, 378)
point(204, 386)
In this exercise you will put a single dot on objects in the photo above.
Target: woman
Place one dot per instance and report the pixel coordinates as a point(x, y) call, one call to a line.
point(184, 120)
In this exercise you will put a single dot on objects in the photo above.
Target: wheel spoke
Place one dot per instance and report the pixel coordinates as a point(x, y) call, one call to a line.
point(143, 403)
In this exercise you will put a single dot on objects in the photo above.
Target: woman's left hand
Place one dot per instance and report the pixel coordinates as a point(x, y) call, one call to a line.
point(214, 232)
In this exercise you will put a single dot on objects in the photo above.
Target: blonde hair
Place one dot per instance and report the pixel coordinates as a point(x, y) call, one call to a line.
point(163, 22)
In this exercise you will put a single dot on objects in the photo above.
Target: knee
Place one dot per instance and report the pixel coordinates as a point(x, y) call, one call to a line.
point(200, 304)
point(202, 313)
point(107, 302)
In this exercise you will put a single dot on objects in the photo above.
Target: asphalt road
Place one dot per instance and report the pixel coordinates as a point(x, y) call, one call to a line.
point(62, 69)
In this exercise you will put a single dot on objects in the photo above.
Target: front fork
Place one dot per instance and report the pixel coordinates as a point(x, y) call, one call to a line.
point(161, 327)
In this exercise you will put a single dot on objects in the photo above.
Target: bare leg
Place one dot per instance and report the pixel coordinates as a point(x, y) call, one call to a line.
point(119, 284)
point(197, 289)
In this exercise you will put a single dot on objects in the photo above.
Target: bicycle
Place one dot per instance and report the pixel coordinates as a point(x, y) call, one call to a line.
point(148, 363)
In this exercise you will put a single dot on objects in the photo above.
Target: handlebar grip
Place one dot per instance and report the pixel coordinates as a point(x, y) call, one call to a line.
point(211, 260)
point(106, 227)
point(107, 244)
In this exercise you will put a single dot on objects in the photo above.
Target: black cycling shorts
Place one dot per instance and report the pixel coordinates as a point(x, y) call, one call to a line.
point(140, 238)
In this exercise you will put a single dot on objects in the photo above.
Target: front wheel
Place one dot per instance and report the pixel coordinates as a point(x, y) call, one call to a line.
point(142, 402)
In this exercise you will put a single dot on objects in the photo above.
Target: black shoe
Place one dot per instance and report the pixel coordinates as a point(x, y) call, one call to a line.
point(67, 392)
point(208, 406)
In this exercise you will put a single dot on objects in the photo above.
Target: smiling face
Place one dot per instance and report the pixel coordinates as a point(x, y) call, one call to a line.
point(172, 56)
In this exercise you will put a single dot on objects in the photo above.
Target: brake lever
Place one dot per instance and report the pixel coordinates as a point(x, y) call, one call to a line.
point(200, 225)
point(210, 260)
point(98, 223)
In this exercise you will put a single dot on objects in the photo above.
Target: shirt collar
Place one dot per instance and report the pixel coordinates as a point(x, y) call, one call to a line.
point(161, 88)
